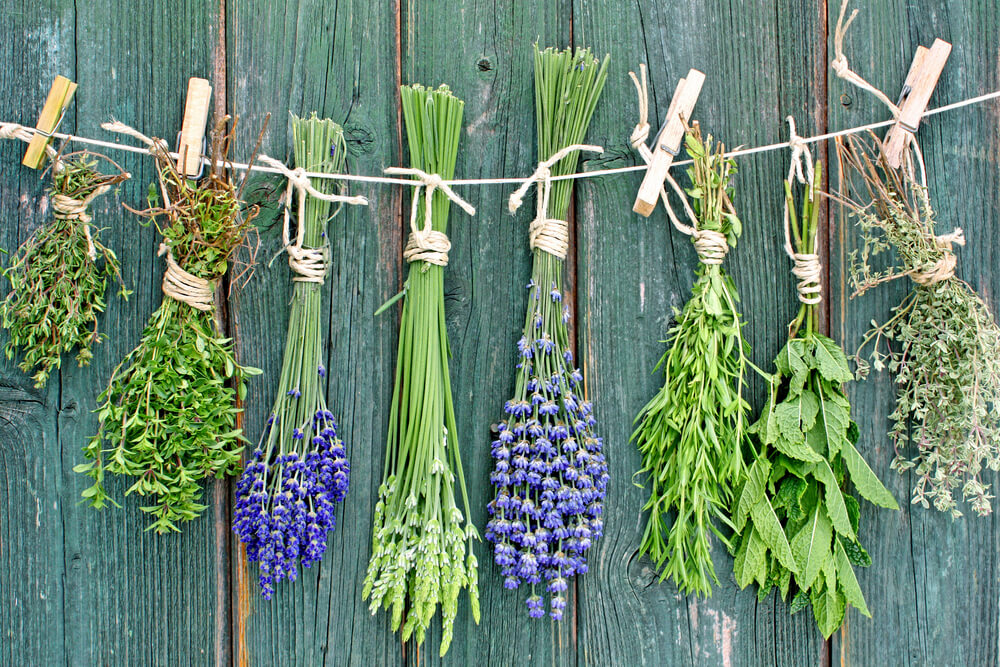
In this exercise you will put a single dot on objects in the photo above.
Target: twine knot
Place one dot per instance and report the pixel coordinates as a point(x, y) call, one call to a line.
point(710, 245)
point(310, 265)
point(544, 233)
point(180, 285)
point(944, 268)
point(426, 244)
point(67, 208)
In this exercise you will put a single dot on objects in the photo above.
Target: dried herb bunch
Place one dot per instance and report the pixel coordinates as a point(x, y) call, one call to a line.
point(942, 343)
point(421, 541)
point(691, 434)
point(168, 415)
point(549, 472)
point(795, 516)
point(299, 470)
point(59, 276)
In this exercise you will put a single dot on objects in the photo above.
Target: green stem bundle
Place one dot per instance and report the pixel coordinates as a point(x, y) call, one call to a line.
point(795, 516)
point(421, 541)
point(58, 277)
point(691, 434)
point(168, 415)
point(942, 343)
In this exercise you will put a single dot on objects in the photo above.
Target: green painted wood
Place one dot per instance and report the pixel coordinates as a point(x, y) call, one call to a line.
point(933, 585)
point(85, 588)
point(339, 60)
point(483, 52)
point(634, 271)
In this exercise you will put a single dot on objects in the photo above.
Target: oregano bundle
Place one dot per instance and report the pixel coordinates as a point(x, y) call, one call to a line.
point(807, 460)
point(59, 275)
point(168, 415)
point(942, 343)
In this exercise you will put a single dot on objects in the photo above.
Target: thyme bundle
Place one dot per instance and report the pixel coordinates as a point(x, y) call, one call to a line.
point(59, 276)
point(299, 470)
point(691, 434)
point(549, 473)
point(421, 541)
point(168, 415)
point(942, 343)
point(795, 517)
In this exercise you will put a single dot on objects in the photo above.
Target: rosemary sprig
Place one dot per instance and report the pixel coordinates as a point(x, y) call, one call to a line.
point(691, 434)
point(798, 486)
point(299, 470)
point(421, 541)
point(550, 474)
point(942, 343)
point(168, 415)
point(58, 277)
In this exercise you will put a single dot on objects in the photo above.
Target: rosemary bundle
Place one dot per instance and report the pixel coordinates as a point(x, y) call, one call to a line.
point(299, 470)
point(421, 541)
point(795, 516)
point(942, 343)
point(168, 415)
point(691, 434)
point(58, 277)
point(549, 474)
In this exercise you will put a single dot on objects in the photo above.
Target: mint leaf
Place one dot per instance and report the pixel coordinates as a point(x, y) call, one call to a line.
point(828, 604)
point(834, 419)
point(830, 360)
point(811, 547)
point(766, 522)
point(849, 582)
point(835, 506)
point(865, 480)
point(753, 490)
point(750, 563)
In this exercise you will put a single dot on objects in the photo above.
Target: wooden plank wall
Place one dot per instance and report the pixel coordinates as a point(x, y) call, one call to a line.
point(81, 587)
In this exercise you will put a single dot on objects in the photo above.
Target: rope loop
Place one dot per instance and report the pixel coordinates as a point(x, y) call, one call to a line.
point(944, 268)
point(68, 208)
point(182, 286)
point(544, 233)
point(711, 246)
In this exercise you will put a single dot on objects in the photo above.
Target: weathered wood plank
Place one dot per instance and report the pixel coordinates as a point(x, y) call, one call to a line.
point(132, 596)
point(339, 60)
point(483, 52)
point(632, 272)
point(31, 528)
point(933, 585)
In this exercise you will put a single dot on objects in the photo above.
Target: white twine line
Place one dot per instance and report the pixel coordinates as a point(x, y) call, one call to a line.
point(740, 152)
point(550, 235)
point(808, 268)
point(309, 264)
point(425, 244)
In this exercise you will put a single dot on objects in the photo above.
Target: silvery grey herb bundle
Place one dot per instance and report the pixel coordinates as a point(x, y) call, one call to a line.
point(168, 415)
point(59, 276)
point(941, 343)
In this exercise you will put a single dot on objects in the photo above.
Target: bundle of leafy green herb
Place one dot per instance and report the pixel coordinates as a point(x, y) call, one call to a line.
point(58, 277)
point(168, 415)
point(942, 343)
point(799, 481)
point(421, 541)
point(692, 433)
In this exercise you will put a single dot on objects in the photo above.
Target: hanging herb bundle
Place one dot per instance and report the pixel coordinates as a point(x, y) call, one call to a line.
point(942, 343)
point(421, 541)
point(168, 415)
point(59, 276)
point(798, 486)
point(549, 472)
point(691, 434)
point(299, 470)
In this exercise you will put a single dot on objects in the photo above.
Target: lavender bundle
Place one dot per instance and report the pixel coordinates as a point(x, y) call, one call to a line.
point(549, 472)
point(286, 497)
point(421, 541)
point(59, 276)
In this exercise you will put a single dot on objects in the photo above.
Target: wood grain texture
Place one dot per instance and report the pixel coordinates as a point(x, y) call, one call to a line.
point(633, 272)
point(933, 586)
point(337, 59)
point(81, 587)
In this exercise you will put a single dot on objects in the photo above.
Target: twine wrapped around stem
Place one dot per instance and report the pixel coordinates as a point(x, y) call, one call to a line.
point(425, 244)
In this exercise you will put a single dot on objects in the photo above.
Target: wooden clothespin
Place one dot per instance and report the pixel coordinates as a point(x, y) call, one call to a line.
point(191, 138)
point(668, 141)
point(925, 70)
point(52, 114)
